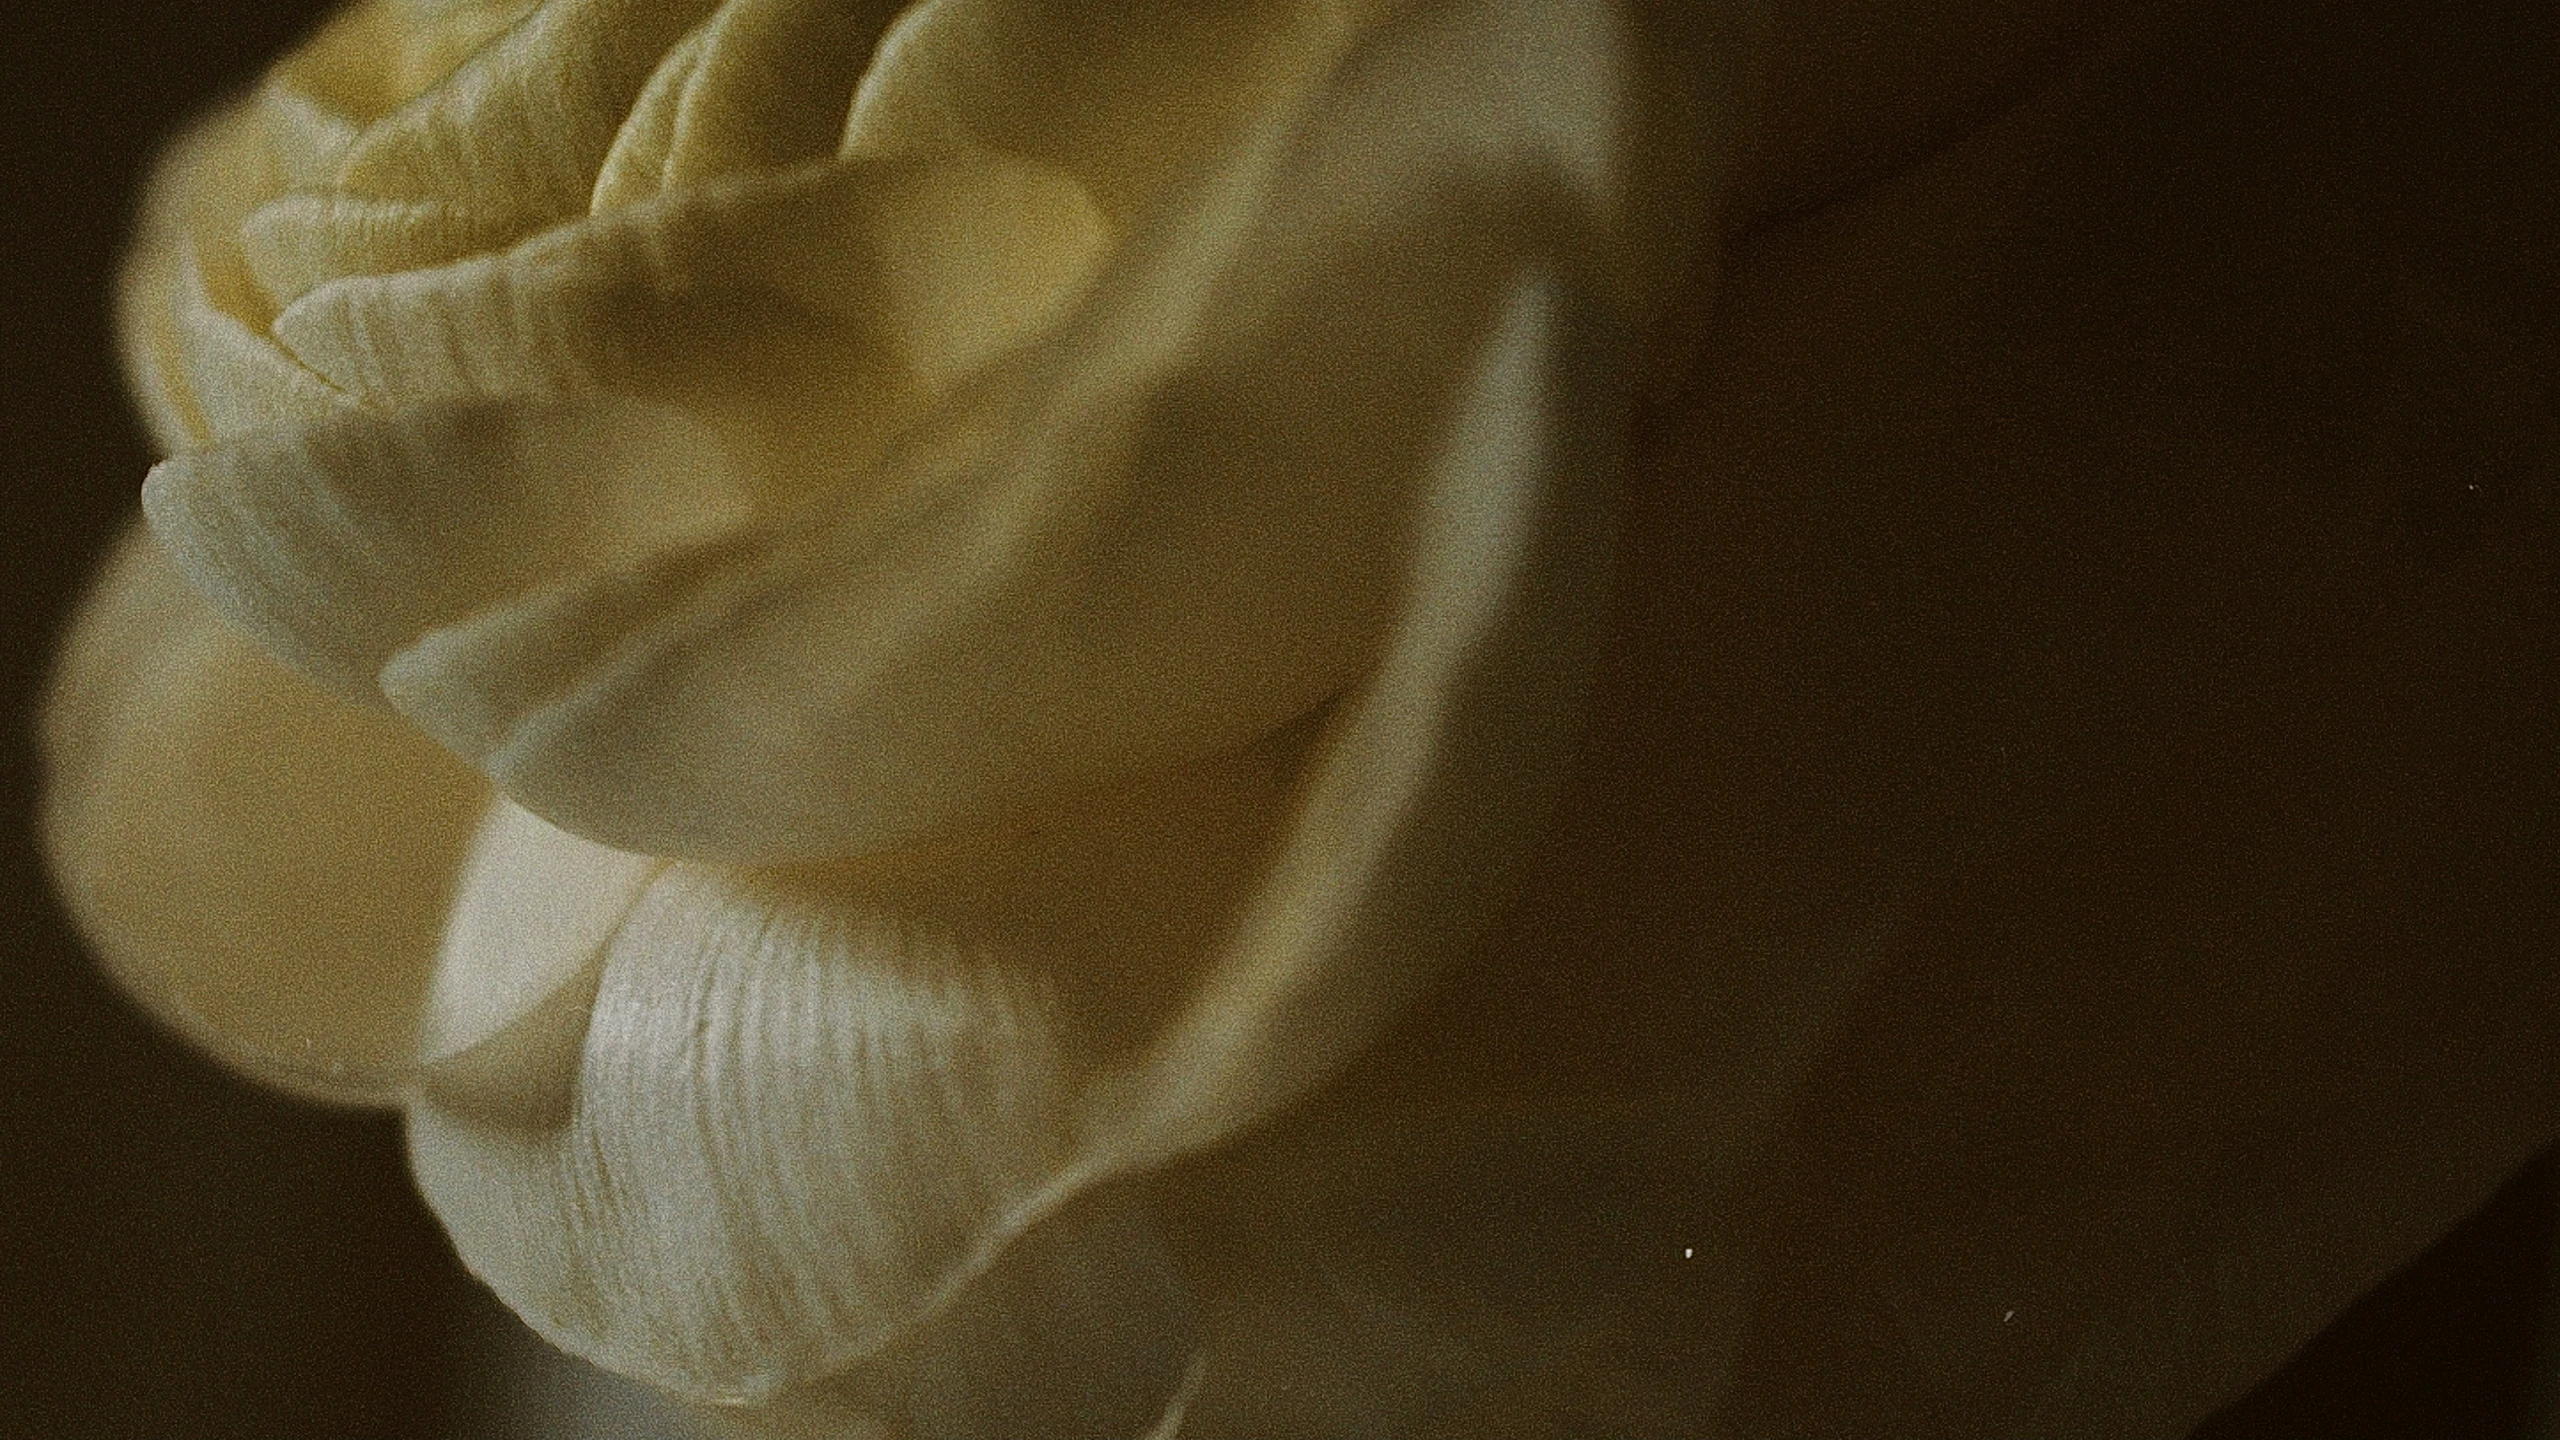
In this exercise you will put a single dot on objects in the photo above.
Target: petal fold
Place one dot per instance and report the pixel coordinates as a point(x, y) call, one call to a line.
point(830, 281)
point(1175, 524)
point(1136, 100)
point(522, 126)
point(868, 1093)
point(336, 544)
point(810, 1111)
point(771, 86)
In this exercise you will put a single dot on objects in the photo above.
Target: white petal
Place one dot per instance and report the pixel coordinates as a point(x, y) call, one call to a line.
point(296, 243)
point(794, 1126)
point(337, 544)
point(516, 976)
point(1175, 525)
point(811, 1107)
point(239, 378)
point(191, 317)
point(819, 282)
point(523, 125)
point(276, 904)
point(1136, 100)
point(892, 1075)
point(1437, 772)
point(1085, 1327)
point(771, 86)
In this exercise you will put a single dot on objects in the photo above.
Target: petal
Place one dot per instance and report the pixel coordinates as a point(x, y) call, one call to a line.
point(239, 379)
point(820, 282)
point(1394, 1259)
point(788, 1128)
point(1085, 1327)
point(516, 976)
point(635, 167)
point(147, 343)
point(336, 544)
point(297, 243)
point(770, 86)
point(1437, 772)
point(191, 317)
point(375, 56)
point(276, 905)
point(2050, 528)
point(902, 1077)
point(1135, 100)
point(1173, 526)
point(342, 543)
point(522, 127)
point(812, 1107)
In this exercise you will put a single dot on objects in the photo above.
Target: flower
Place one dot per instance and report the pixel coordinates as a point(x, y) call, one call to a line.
point(979, 687)
point(822, 635)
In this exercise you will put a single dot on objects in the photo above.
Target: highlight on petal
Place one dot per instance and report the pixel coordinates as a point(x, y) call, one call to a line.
point(786, 1127)
point(517, 973)
point(277, 905)
point(1174, 524)
point(873, 1062)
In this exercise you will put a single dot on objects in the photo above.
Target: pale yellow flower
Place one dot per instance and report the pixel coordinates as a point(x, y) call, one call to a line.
point(905, 673)
point(1006, 579)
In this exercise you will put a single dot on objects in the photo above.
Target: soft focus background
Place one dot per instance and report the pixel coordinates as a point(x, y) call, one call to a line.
point(181, 1255)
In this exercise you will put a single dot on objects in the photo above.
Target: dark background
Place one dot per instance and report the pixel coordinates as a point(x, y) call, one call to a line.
point(183, 1255)
point(180, 1254)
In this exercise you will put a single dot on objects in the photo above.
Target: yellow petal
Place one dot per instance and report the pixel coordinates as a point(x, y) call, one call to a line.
point(523, 125)
point(771, 86)
point(296, 243)
point(191, 316)
point(830, 281)
point(1175, 524)
point(337, 544)
point(901, 1076)
point(874, 1064)
point(1137, 100)
point(275, 903)
point(635, 167)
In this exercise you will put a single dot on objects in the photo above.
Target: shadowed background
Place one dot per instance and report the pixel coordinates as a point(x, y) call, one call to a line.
point(183, 1255)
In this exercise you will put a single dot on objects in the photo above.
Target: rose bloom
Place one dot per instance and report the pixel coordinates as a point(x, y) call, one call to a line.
point(1501, 716)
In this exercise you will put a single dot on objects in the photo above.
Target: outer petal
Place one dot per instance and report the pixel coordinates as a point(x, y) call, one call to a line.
point(2143, 512)
point(278, 906)
point(805, 1110)
point(1172, 527)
